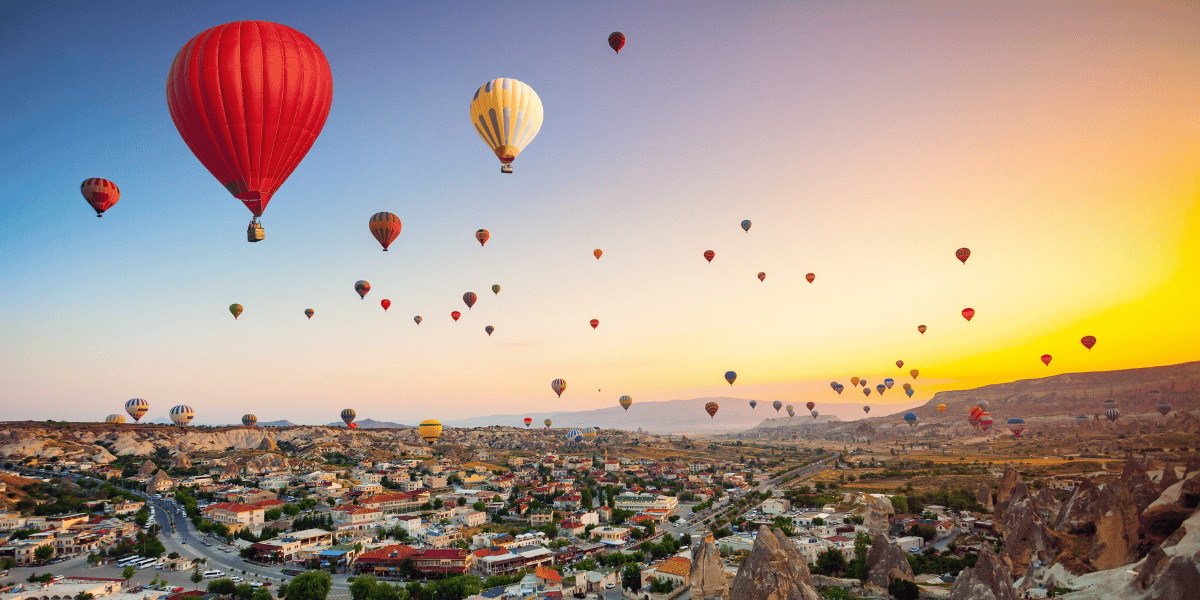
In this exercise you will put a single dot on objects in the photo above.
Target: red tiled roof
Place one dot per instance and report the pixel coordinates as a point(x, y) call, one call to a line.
point(548, 574)
point(402, 551)
point(441, 554)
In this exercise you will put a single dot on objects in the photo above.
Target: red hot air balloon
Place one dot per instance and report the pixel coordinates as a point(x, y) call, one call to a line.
point(810, 405)
point(558, 385)
point(386, 304)
point(921, 328)
point(249, 99)
point(483, 235)
point(709, 255)
point(962, 254)
point(968, 313)
point(761, 276)
point(528, 421)
point(597, 253)
point(711, 409)
point(1046, 358)
point(810, 277)
point(595, 323)
point(616, 41)
point(1088, 341)
point(454, 315)
point(362, 287)
point(469, 298)
point(899, 364)
point(102, 194)
point(385, 227)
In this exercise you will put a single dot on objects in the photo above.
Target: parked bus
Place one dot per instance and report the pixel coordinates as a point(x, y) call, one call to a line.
point(149, 562)
point(128, 559)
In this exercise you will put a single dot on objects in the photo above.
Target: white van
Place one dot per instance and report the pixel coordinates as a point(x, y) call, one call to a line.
point(213, 574)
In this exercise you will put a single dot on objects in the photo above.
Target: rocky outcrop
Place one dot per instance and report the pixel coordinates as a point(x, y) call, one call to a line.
point(158, 477)
point(707, 574)
point(984, 497)
point(886, 563)
point(1137, 485)
point(1048, 504)
point(1024, 520)
point(1108, 520)
point(231, 471)
point(1171, 570)
point(875, 513)
point(268, 444)
point(181, 461)
point(990, 579)
point(148, 469)
point(1008, 483)
point(774, 570)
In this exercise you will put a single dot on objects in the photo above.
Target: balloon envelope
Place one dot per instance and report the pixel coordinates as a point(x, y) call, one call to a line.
point(899, 364)
point(235, 310)
point(880, 388)
point(469, 299)
point(616, 41)
point(348, 415)
point(115, 419)
point(385, 227)
point(941, 408)
point(910, 392)
point(968, 313)
point(921, 328)
point(907, 386)
point(249, 420)
point(385, 303)
point(889, 382)
point(308, 312)
point(810, 405)
point(137, 408)
point(1112, 414)
point(866, 409)
point(814, 413)
point(1163, 407)
point(249, 99)
point(489, 329)
point(746, 225)
point(709, 255)
point(985, 421)
point(911, 418)
point(417, 319)
point(482, 235)
point(1046, 358)
point(430, 430)
point(528, 421)
point(1016, 426)
point(854, 381)
point(496, 289)
point(730, 376)
point(597, 252)
point(506, 114)
point(547, 423)
point(866, 391)
point(810, 277)
point(962, 254)
point(101, 194)
point(711, 409)
point(777, 404)
point(594, 323)
point(625, 402)
point(558, 385)
point(762, 276)
point(182, 415)
point(753, 403)
point(914, 373)
point(1088, 341)
point(362, 287)
point(454, 314)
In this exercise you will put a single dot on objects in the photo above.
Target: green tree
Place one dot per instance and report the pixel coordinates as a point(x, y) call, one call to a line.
point(173, 555)
point(291, 510)
point(243, 591)
point(196, 576)
point(903, 589)
point(479, 506)
point(900, 503)
point(273, 514)
point(818, 521)
point(631, 578)
point(128, 572)
point(261, 593)
point(44, 553)
point(224, 587)
point(831, 562)
point(586, 498)
point(310, 585)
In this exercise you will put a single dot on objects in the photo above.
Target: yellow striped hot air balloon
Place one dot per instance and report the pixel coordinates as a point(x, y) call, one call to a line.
point(625, 402)
point(941, 408)
point(506, 114)
point(115, 419)
point(430, 430)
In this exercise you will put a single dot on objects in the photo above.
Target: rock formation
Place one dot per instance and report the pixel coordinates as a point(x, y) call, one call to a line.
point(1171, 570)
point(990, 579)
point(231, 471)
point(268, 444)
point(984, 497)
point(774, 570)
point(1008, 482)
point(1107, 520)
point(1169, 477)
point(181, 461)
point(707, 574)
point(1137, 485)
point(886, 562)
point(875, 514)
point(148, 469)
point(160, 476)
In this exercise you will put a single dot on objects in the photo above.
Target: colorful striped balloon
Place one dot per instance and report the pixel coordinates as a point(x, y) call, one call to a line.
point(101, 194)
point(385, 227)
point(558, 385)
point(506, 114)
point(962, 254)
point(711, 409)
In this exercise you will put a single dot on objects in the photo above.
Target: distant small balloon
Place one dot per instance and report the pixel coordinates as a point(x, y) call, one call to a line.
point(880, 388)
point(899, 364)
point(1088, 341)
point(907, 386)
point(616, 41)
point(762, 275)
point(810, 277)
point(709, 255)
point(455, 315)
point(489, 329)
point(625, 402)
point(417, 319)
point(385, 226)
point(558, 385)
point(889, 382)
point(1046, 358)
point(598, 252)
point(385, 303)
point(711, 409)
point(910, 392)
point(814, 414)
point(921, 328)
point(746, 225)
point(308, 312)
point(469, 299)
point(968, 313)
point(941, 408)
point(482, 235)
point(854, 381)
point(962, 254)
point(495, 289)
point(362, 287)
point(528, 421)
point(235, 310)
point(866, 409)
point(753, 403)
point(730, 376)
point(777, 404)
point(595, 323)
point(866, 391)
point(914, 373)
point(810, 405)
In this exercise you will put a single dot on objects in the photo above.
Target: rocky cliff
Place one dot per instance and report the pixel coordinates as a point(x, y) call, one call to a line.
point(1104, 518)
point(1024, 520)
point(707, 575)
point(774, 570)
point(886, 563)
point(990, 579)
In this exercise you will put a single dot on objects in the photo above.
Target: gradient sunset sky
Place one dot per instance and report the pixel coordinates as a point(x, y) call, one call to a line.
point(866, 142)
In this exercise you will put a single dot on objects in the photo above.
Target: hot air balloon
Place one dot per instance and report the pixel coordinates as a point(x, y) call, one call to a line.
point(921, 328)
point(730, 376)
point(575, 436)
point(835, 385)
point(362, 287)
point(385, 227)
point(753, 403)
point(249, 99)
point(862, 382)
point(854, 381)
point(489, 329)
point(983, 404)
point(814, 414)
point(889, 382)
point(495, 289)
point(899, 364)
point(962, 254)
point(558, 385)
point(711, 409)
point(137, 408)
point(616, 41)
point(469, 299)
point(907, 386)
point(1046, 358)
point(308, 312)
point(762, 276)
point(968, 314)
point(590, 433)
point(182, 415)
point(506, 114)
point(417, 319)
point(482, 235)
point(597, 252)
point(777, 404)
point(839, 389)
point(235, 310)
point(115, 419)
point(1016, 426)
point(455, 315)
point(430, 430)
point(810, 405)
point(353, 426)
point(709, 255)
point(594, 323)
point(1112, 414)
point(973, 415)
point(528, 421)
point(941, 408)
point(1088, 341)
point(746, 225)
point(866, 391)
point(102, 194)
point(914, 373)
point(1110, 403)
point(866, 409)
point(910, 392)
point(985, 421)
point(249, 420)
point(911, 419)
point(880, 388)
point(625, 402)
point(348, 415)
point(386, 304)
point(1163, 407)
point(810, 277)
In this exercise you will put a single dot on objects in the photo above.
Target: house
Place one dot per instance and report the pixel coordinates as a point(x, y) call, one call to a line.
point(356, 515)
point(227, 513)
point(641, 502)
point(570, 528)
point(442, 560)
point(548, 577)
point(396, 502)
point(473, 518)
point(539, 517)
point(911, 543)
point(675, 569)
point(613, 536)
point(384, 562)
point(439, 537)
point(776, 506)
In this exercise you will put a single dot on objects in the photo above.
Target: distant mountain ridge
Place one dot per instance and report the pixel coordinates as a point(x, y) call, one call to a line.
point(372, 424)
